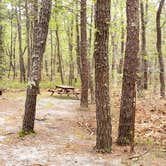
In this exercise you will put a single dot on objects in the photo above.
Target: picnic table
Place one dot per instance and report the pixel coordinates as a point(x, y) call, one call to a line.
point(64, 89)
point(1, 90)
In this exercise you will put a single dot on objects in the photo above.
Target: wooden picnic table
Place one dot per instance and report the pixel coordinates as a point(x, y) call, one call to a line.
point(64, 89)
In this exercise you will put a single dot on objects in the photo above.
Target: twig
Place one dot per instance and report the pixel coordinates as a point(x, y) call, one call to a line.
point(139, 155)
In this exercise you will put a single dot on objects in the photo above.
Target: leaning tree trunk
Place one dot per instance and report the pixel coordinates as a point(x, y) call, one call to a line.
point(103, 117)
point(84, 60)
point(128, 99)
point(33, 86)
point(159, 49)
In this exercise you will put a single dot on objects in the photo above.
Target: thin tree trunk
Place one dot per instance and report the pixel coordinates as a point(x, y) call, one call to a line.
point(59, 55)
point(52, 58)
point(84, 60)
point(122, 41)
point(103, 116)
point(28, 38)
point(11, 43)
point(143, 48)
point(159, 49)
point(21, 59)
point(78, 42)
point(70, 45)
point(128, 98)
point(46, 68)
point(91, 79)
point(14, 56)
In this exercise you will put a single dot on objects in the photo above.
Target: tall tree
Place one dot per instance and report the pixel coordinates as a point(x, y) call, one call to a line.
point(39, 48)
point(122, 40)
point(91, 59)
point(59, 54)
point(70, 43)
point(28, 37)
point(103, 117)
point(21, 51)
point(52, 56)
point(128, 98)
point(84, 60)
point(78, 41)
point(159, 49)
point(143, 46)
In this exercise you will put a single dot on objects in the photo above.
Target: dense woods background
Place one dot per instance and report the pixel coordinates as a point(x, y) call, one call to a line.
point(62, 55)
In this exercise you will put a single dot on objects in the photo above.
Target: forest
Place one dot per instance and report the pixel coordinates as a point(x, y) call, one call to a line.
point(82, 82)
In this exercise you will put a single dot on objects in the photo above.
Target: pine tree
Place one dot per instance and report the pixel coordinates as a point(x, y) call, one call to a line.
point(128, 98)
point(102, 94)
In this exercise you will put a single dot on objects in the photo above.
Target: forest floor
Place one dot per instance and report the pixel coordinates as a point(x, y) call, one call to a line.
point(65, 135)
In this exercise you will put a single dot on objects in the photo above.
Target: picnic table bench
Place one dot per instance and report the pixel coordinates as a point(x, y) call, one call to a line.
point(64, 89)
point(1, 91)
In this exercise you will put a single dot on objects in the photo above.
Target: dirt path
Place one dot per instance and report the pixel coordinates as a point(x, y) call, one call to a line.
point(59, 140)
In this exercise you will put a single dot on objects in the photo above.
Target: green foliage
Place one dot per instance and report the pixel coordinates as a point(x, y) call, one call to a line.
point(8, 84)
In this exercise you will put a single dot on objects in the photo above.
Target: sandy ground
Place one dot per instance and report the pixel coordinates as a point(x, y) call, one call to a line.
point(60, 140)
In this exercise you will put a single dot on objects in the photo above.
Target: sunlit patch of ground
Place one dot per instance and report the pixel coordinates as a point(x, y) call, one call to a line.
point(65, 135)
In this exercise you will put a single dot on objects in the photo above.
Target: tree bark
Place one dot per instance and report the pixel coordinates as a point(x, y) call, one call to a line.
point(33, 86)
point(29, 57)
point(84, 60)
point(78, 42)
point(143, 48)
point(102, 93)
point(59, 55)
point(159, 49)
point(91, 60)
point(70, 45)
point(52, 55)
point(128, 98)
point(21, 59)
point(122, 42)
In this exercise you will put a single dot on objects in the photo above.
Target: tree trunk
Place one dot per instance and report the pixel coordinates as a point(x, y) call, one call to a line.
point(91, 59)
point(21, 59)
point(59, 55)
point(33, 86)
point(70, 44)
point(46, 68)
point(14, 56)
point(84, 60)
point(52, 55)
point(78, 42)
point(159, 49)
point(28, 38)
point(122, 41)
point(103, 117)
point(128, 98)
point(143, 48)
point(11, 44)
